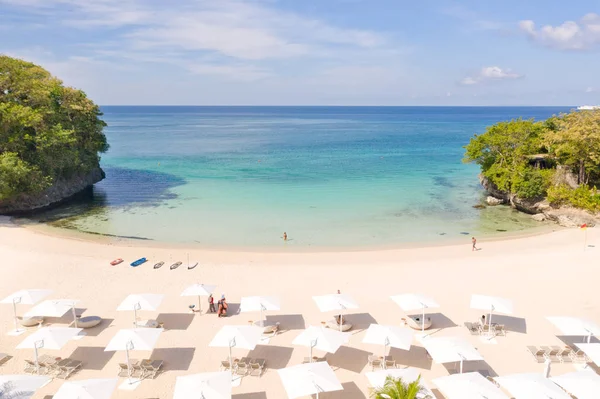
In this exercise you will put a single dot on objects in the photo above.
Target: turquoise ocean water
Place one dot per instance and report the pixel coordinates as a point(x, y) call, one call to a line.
point(328, 176)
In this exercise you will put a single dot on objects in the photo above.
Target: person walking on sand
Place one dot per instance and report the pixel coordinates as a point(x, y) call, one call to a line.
point(474, 241)
point(284, 236)
point(211, 302)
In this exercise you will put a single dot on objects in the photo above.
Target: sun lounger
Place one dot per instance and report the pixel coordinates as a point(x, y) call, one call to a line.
point(538, 354)
point(552, 352)
point(30, 367)
point(335, 326)
point(88, 322)
point(241, 369)
point(473, 327)
point(150, 368)
point(64, 368)
point(499, 329)
point(33, 321)
point(390, 364)
point(564, 355)
point(4, 358)
point(578, 357)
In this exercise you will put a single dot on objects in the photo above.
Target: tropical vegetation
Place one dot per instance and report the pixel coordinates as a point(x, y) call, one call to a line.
point(396, 388)
point(523, 157)
point(48, 131)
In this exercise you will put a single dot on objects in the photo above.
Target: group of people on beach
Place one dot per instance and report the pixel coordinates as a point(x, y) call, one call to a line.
point(221, 305)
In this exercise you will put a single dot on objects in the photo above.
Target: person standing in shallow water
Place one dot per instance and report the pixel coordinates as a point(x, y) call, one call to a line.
point(474, 241)
point(284, 236)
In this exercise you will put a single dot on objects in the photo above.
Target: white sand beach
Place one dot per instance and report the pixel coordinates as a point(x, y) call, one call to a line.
point(545, 275)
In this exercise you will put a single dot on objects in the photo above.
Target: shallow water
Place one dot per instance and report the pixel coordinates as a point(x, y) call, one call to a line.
point(328, 176)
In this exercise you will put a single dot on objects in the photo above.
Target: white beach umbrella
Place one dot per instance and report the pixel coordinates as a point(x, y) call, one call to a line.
point(87, 389)
point(204, 386)
point(468, 386)
point(575, 326)
point(581, 384)
point(491, 304)
point(199, 290)
point(53, 338)
point(531, 386)
point(450, 349)
point(408, 375)
point(321, 338)
point(341, 302)
point(396, 337)
point(592, 351)
point(54, 308)
point(244, 337)
point(259, 304)
point(137, 302)
point(21, 386)
point(420, 302)
point(141, 339)
point(309, 379)
point(24, 297)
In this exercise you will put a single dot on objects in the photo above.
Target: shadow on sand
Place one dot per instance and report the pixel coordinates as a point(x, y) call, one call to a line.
point(415, 357)
point(92, 357)
point(175, 321)
point(348, 358)
point(175, 359)
point(277, 357)
point(511, 323)
point(253, 395)
point(288, 322)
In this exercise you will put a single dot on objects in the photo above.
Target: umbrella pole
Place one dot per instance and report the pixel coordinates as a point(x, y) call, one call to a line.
point(262, 323)
point(35, 355)
point(341, 323)
point(199, 306)
point(461, 365)
point(423, 322)
point(127, 360)
point(74, 315)
point(16, 318)
point(310, 358)
point(589, 338)
point(134, 317)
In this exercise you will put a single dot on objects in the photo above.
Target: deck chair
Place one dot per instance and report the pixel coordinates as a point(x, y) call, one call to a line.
point(225, 365)
point(30, 367)
point(499, 330)
point(123, 371)
point(537, 353)
point(256, 369)
point(565, 355)
point(552, 353)
point(374, 361)
point(241, 369)
point(473, 327)
point(578, 357)
point(390, 364)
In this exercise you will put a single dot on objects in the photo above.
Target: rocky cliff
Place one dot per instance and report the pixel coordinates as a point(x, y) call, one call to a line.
point(540, 209)
point(60, 191)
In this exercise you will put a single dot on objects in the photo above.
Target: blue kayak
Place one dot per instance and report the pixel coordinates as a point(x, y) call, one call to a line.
point(138, 262)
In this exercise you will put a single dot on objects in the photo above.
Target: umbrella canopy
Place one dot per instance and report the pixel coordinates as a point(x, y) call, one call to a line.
point(468, 386)
point(54, 308)
point(395, 337)
point(87, 389)
point(204, 386)
point(575, 326)
point(309, 379)
point(408, 375)
point(21, 386)
point(48, 338)
point(259, 304)
point(328, 303)
point(581, 384)
point(491, 304)
point(142, 339)
point(199, 290)
point(321, 338)
point(450, 349)
point(592, 351)
point(137, 302)
point(410, 302)
point(244, 337)
point(25, 297)
point(531, 386)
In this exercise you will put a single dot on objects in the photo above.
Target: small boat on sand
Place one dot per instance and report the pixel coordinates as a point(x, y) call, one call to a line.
point(116, 261)
point(159, 265)
point(138, 262)
point(190, 267)
point(175, 265)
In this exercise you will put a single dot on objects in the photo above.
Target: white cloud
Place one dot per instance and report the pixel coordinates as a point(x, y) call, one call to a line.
point(570, 35)
point(488, 74)
point(590, 90)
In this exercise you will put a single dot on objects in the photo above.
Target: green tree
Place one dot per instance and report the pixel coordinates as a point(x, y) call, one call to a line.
point(502, 151)
point(574, 139)
point(47, 131)
point(396, 388)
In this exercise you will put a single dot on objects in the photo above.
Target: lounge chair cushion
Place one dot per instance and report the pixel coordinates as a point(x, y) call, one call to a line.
point(88, 322)
point(334, 325)
point(31, 321)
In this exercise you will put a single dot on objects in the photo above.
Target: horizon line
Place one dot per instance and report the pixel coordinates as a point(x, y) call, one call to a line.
point(339, 106)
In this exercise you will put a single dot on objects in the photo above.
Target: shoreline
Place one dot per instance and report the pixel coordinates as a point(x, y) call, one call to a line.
point(90, 237)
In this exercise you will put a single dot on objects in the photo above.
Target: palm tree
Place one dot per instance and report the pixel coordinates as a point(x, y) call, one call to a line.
point(395, 388)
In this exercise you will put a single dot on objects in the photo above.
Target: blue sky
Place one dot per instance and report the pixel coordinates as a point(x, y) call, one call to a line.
point(304, 52)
